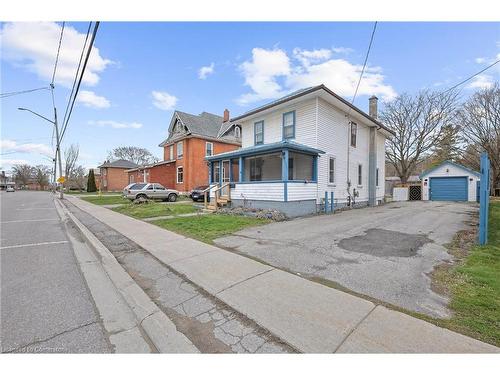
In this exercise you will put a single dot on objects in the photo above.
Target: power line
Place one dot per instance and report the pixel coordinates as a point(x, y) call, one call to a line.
point(364, 64)
point(76, 73)
point(7, 94)
point(472, 76)
point(89, 50)
point(57, 56)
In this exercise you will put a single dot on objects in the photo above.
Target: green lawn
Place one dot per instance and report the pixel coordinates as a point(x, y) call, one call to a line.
point(106, 199)
point(76, 192)
point(474, 286)
point(152, 209)
point(206, 228)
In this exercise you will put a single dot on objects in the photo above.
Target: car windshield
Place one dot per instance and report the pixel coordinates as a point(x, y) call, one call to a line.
point(137, 186)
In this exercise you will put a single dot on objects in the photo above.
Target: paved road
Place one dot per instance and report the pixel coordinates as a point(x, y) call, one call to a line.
point(45, 304)
point(385, 252)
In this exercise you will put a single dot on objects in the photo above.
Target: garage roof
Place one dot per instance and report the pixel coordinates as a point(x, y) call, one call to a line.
point(425, 173)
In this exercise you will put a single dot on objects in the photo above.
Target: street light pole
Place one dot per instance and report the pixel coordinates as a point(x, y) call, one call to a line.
point(58, 151)
point(58, 147)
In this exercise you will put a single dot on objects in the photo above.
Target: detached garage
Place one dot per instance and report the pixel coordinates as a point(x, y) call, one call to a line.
point(449, 181)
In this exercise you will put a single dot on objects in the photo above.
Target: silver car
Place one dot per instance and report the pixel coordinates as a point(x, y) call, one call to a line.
point(150, 191)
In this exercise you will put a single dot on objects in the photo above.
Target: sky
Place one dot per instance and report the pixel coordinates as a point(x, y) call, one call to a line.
point(139, 73)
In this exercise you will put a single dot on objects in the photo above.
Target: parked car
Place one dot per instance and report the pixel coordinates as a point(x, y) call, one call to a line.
point(150, 191)
point(10, 189)
point(197, 193)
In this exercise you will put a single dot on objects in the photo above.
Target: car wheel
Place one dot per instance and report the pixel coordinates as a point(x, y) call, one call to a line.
point(172, 197)
point(138, 196)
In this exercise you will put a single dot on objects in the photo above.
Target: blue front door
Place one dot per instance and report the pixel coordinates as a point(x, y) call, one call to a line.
point(448, 189)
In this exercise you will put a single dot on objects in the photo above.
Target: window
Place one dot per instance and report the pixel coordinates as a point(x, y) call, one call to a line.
point(258, 128)
point(376, 178)
point(171, 152)
point(180, 175)
point(159, 187)
point(180, 149)
point(289, 125)
point(131, 179)
point(216, 172)
point(331, 170)
point(237, 132)
point(256, 169)
point(360, 175)
point(290, 168)
point(150, 187)
point(209, 148)
point(354, 133)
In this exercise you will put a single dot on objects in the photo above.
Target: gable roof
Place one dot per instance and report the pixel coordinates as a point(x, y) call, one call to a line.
point(120, 163)
point(205, 125)
point(308, 90)
point(424, 173)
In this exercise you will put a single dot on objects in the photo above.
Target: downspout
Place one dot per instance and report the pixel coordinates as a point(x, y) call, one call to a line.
point(348, 181)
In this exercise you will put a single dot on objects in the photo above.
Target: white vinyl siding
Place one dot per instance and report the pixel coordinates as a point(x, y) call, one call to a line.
point(259, 191)
point(301, 191)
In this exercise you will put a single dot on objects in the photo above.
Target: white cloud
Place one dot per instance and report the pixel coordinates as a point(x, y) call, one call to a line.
point(10, 146)
point(342, 50)
point(479, 60)
point(261, 73)
point(9, 163)
point(482, 81)
point(90, 99)
point(205, 71)
point(116, 124)
point(33, 46)
point(163, 100)
point(271, 74)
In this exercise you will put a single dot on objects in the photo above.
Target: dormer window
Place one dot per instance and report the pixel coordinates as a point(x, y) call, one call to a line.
point(237, 132)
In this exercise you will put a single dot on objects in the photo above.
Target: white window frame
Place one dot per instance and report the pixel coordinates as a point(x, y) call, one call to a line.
point(360, 175)
point(177, 175)
point(171, 152)
point(181, 154)
point(211, 148)
point(330, 158)
point(237, 132)
point(354, 126)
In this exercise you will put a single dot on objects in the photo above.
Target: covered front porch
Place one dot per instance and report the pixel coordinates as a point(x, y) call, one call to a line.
point(266, 176)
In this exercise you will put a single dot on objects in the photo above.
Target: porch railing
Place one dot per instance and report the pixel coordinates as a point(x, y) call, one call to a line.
point(217, 193)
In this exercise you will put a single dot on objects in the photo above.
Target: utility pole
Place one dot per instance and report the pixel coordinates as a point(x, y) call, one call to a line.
point(58, 152)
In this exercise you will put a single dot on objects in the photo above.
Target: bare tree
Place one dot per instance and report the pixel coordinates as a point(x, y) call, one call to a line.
point(78, 178)
point(41, 175)
point(71, 155)
point(480, 121)
point(22, 174)
point(134, 154)
point(417, 121)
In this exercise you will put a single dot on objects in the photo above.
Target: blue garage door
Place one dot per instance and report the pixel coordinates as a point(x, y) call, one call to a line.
point(448, 189)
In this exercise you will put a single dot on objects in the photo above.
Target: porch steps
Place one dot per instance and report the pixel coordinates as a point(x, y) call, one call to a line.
point(221, 202)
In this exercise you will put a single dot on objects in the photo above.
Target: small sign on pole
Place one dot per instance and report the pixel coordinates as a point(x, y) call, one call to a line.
point(61, 179)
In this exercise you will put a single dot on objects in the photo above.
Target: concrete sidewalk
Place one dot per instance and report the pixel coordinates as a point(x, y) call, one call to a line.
point(308, 316)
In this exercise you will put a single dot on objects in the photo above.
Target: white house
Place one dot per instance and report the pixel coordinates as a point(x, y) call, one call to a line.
point(450, 181)
point(298, 147)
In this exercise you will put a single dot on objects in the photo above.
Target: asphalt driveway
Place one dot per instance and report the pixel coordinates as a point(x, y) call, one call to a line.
point(385, 252)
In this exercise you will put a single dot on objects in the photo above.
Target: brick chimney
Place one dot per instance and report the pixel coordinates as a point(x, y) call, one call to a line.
point(226, 115)
point(373, 101)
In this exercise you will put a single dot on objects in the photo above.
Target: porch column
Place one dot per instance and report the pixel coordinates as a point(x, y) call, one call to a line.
point(315, 168)
point(220, 173)
point(242, 173)
point(284, 165)
point(210, 171)
point(284, 173)
point(230, 170)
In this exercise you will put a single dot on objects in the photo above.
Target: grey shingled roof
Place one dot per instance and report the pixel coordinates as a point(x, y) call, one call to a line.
point(205, 124)
point(120, 163)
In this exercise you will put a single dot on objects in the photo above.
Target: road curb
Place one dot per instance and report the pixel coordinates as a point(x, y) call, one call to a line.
point(160, 330)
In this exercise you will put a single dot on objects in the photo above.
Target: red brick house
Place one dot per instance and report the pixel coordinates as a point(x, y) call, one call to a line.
point(113, 175)
point(190, 139)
